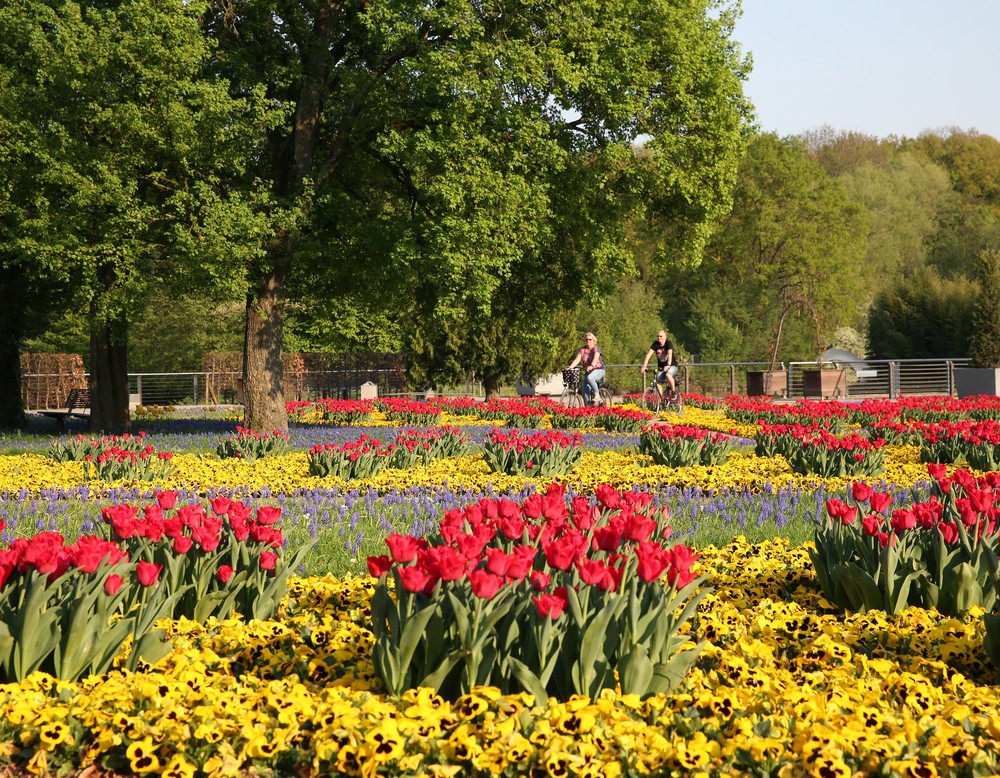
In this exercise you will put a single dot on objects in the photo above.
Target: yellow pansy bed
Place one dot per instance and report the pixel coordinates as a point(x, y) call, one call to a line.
point(785, 687)
point(285, 473)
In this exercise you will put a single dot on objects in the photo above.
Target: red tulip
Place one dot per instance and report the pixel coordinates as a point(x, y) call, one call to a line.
point(497, 561)
point(596, 573)
point(981, 499)
point(880, 501)
point(903, 520)
point(949, 531)
point(403, 548)
point(379, 565)
point(861, 491)
point(88, 552)
point(166, 499)
point(639, 527)
point(268, 514)
point(539, 581)
point(652, 561)
point(608, 496)
point(451, 564)
point(182, 544)
point(871, 525)
point(220, 505)
point(549, 606)
point(112, 584)
point(417, 579)
point(562, 552)
point(936, 470)
point(485, 585)
point(268, 559)
point(608, 538)
point(470, 546)
point(225, 572)
point(147, 572)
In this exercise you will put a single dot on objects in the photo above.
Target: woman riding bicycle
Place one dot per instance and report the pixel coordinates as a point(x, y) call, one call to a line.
point(666, 363)
point(590, 356)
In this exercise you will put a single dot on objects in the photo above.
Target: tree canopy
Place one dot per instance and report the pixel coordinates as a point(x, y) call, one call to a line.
point(117, 143)
point(781, 264)
point(445, 152)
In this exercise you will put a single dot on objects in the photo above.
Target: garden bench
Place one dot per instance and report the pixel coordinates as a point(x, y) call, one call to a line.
point(77, 406)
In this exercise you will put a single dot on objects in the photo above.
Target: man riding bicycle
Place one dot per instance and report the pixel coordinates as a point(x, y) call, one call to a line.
point(666, 363)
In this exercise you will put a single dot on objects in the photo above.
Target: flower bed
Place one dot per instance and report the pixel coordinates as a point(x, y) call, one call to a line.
point(785, 686)
point(786, 683)
point(546, 597)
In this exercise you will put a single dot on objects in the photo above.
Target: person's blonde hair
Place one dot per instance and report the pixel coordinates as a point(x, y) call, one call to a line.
point(590, 335)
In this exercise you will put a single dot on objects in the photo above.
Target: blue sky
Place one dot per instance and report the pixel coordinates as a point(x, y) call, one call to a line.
point(880, 67)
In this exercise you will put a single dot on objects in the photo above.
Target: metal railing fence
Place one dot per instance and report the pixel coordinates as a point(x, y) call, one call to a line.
point(891, 378)
point(795, 380)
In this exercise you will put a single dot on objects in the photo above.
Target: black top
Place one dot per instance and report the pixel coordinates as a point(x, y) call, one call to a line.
point(661, 353)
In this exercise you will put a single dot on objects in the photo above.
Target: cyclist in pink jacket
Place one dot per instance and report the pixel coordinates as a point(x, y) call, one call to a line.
point(590, 357)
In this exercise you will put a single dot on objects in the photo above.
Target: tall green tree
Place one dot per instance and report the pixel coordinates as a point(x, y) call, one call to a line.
point(118, 143)
point(781, 270)
point(928, 317)
point(500, 134)
point(985, 347)
point(904, 200)
point(972, 160)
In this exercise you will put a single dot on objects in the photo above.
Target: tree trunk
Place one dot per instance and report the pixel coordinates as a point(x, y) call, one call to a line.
point(263, 368)
point(491, 385)
point(108, 380)
point(12, 293)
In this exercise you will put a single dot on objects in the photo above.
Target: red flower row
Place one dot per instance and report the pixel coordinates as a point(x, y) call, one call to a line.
point(497, 543)
point(515, 440)
point(977, 509)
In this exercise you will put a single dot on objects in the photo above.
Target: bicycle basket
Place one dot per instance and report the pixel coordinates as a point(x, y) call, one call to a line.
point(571, 379)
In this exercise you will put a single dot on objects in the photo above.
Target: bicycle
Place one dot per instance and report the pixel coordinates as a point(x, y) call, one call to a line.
point(572, 394)
point(653, 401)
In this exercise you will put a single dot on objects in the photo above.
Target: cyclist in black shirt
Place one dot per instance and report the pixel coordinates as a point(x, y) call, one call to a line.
point(666, 363)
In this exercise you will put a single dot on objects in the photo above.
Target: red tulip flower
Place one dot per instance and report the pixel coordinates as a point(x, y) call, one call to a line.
point(485, 585)
point(379, 565)
point(861, 492)
point(148, 572)
point(880, 501)
point(550, 606)
point(112, 584)
point(166, 499)
point(268, 514)
point(220, 505)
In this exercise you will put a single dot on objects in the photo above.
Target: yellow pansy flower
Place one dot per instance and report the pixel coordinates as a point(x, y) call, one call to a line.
point(142, 756)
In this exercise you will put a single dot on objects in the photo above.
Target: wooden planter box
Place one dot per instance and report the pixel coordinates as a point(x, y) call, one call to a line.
point(768, 383)
point(824, 383)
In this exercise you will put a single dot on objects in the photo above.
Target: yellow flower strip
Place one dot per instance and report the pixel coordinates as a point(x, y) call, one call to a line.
point(785, 685)
point(288, 472)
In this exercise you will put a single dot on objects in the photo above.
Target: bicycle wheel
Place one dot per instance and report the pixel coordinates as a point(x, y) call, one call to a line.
point(571, 399)
point(676, 405)
point(651, 400)
point(605, 397)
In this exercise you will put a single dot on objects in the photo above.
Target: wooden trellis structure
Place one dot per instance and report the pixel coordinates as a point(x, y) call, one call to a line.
point(308, 375)
point(47, 379)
